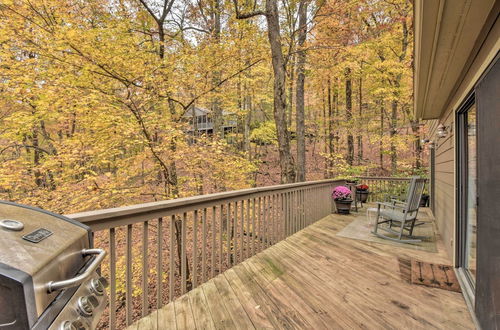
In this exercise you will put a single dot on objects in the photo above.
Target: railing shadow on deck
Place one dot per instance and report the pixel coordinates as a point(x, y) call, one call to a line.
point(159, 251)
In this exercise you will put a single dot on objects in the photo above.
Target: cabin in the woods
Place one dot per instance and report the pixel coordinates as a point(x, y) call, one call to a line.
point(457, 86)
point(201, 121)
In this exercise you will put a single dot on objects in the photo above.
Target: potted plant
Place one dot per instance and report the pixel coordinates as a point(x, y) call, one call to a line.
point(351, 181)
point(424, 200)
point(362, 192)
point(342, 197)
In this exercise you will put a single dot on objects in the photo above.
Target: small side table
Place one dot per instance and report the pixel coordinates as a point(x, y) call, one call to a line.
point(352, 187)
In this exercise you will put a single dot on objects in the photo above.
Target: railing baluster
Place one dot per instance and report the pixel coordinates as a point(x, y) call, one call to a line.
point(195, 249)
point(290, 214)
point(264, 222)
point(128, 293)
point(159, 264)
point(171, 253)
point(228, 234)
point(302, 215)
point(273, 219)
point(214, 247)
point(253, 227)
point(221, 229)
point(183, 254)
point(260, 225)
point(235, 234)
point(283, 216)
point(112, 278)
point(242, 228)
point(297, 211)
point(247, 236)
point(145, 268)
point(269, 220)
point(287, 216)
point(204, 247)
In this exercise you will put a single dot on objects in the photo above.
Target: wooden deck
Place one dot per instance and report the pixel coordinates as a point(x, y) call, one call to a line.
point(317, 280)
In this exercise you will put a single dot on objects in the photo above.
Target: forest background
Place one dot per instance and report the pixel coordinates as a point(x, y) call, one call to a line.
point(94, 96)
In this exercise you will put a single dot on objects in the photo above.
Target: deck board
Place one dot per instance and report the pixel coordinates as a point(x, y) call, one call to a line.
point(317, 280)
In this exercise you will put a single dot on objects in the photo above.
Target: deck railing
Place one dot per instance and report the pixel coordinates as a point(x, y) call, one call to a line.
point(382, 188)
point(158, 251)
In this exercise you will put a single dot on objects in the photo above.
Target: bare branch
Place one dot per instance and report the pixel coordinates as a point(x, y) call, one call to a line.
point(247, 15)
point(194, 99)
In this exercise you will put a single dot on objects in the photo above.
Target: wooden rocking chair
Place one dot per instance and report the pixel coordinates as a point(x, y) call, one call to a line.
point(401, 214)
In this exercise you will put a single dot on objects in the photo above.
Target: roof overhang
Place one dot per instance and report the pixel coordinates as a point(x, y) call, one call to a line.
point(447, 36)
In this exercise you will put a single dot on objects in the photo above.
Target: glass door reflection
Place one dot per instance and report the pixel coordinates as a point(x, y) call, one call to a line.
point(471, 193)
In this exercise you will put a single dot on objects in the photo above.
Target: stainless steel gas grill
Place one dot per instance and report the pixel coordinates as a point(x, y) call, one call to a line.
point(49, 275)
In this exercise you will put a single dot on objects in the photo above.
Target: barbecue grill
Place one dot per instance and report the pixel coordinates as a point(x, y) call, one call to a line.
point(49, 271)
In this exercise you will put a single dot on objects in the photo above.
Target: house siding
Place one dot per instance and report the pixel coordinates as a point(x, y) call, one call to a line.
point(445, 178)
point(444, 185)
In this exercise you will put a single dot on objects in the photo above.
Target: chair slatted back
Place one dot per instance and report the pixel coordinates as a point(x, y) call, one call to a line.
point(414, 194)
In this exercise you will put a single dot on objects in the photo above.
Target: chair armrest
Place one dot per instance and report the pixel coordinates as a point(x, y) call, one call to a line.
point(397, 201)
point(390, 205)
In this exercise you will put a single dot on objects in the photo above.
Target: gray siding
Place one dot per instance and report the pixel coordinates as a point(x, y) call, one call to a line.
point(444, 198)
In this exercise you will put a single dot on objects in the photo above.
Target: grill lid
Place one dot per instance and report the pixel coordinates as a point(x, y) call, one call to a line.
point(38, 247)
point(44, 236)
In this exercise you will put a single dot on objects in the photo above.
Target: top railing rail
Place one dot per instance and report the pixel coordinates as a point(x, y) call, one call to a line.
point(111, 217)
point(383, 188)
point(383, 178)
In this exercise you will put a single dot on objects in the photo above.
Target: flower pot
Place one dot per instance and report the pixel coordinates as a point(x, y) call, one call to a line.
point(343, 206)
point(424, 200)
point(362, 195)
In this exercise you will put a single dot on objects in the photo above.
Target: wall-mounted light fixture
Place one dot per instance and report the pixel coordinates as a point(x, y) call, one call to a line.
point(441, 131)
point(428, 142)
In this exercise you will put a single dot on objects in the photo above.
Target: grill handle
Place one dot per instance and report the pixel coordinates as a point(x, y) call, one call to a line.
point(77, 280)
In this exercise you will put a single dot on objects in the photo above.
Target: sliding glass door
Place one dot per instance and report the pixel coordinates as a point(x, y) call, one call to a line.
point(467, 193)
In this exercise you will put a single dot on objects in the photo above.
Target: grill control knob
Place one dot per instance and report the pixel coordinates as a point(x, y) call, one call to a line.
point(86, 305)
point(72, 325)
point(104, 281)
point(97, 286)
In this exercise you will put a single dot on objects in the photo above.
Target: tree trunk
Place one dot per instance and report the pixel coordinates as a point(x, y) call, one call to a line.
point(331, 132)
point(336, 113)
point(36, 158)
point(393, 132)
point(217, 117)
point(326, 134)
point(381, 135)
point(300, 111)
point(283, 135)
point(247, 103)
point(348, 108)
point(416, 143)
point(291, 76)
point(360, 122)
point(195, 123)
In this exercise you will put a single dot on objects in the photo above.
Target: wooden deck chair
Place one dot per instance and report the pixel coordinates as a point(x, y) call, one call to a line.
point(400, 214)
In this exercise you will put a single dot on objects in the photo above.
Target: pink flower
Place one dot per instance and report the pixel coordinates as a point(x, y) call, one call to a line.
point(341, 192)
